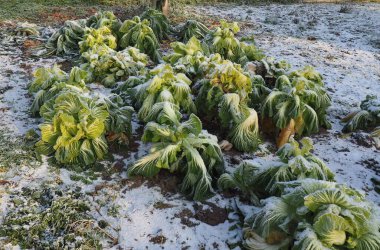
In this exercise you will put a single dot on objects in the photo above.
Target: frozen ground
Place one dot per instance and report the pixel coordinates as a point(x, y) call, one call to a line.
point(342, 46)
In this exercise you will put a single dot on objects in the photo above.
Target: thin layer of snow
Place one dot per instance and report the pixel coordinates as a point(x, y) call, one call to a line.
point(15, 74)
point(140, 221)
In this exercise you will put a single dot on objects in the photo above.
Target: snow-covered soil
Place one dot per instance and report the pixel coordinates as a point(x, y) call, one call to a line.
point(151, 214)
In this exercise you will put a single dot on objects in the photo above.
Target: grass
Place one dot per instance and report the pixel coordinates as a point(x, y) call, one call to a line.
point(16, 151)
point(30, 10)
point(51, 218)
point(58, 11)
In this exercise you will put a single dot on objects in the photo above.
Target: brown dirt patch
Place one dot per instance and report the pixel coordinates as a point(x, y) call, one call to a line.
point(59, 15)
point(5, 182)
point(362, 139)
point(104, 185)
point(26, 67)
point(118, 166)
point(124, 13)
point(168, 182)
point(159, 239)
point(372, 164)
point(30, 44)
point(213, 215)
point(162, 205)
point(185, 216)
point(66, 65)
point(132, 183)
point(7, 24)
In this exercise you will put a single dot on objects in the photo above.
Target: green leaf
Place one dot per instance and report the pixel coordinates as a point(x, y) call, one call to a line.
point(275, 214)
point(164, 113)
point(360, 120)
point(197, 180)
point(245, 134)
point(332, 229)
point(138, 34)
point(155, 132)
point(87, 153)
point(158, 22)
point(327, 196)
point(193, 28)
point(192, 126)
point(44, 148)
point(165, 86)
point(100, 147)
point(48, 133)
point(146, 166)
point(94, 129)
point(253, 241)
point(306, 238)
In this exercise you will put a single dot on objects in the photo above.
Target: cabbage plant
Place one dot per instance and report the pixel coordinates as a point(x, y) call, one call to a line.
point(181, 147)
point(367, 117)
point(158, 22)
point(262, 178)
point(268, 67)
point(119, 122)
point(108, 66)
point(165, 85)
point(222, 40)
point(275, 68)
point(65, 40)
point(26, 29)
point(209, 65)
point(223, 96)
point(125, 89)
point(104, 19)
point(250, 53)
point(241, 121)
point(138, 34)
point(44, 78)
point(223, 76)
point(187, 58)
point(101, 36)
point(193, 28)
point(297, 104)
point(49, 82)
point(314, 214)
point(181, 50)
point(76, 131)
point(260, 91)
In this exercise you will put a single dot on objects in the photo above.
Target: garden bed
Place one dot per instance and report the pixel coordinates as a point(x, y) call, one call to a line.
point(153, 214)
